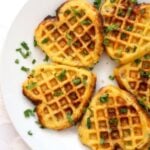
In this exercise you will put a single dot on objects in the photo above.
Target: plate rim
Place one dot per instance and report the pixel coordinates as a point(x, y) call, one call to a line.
point(25, 140)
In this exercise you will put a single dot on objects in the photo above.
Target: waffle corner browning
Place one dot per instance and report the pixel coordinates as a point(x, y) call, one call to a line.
point(74, 36)
point(60, 94)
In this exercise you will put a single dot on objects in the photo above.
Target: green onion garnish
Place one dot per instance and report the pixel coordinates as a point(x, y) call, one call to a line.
point(86, 22)
point(35, 42)
point(70, 119)
point(25, 45)
point(31, 85)
point(111, 77)
point(46, 59)
point(69, 39)
point(44, 41)
point(29, 113)
point(104, 98)
point(25, 69)
point(30, 133)
point(97, 3)
point(76, 81)
point(17, 61)
point(62, 75)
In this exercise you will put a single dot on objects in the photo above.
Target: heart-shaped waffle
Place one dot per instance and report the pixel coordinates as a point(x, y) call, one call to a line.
point(135, 77)
point(74, 36)
point(126, 28)
point(114, 121)
point(60, 94)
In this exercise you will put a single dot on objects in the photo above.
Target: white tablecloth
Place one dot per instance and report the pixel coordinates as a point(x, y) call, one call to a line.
point(9, 138)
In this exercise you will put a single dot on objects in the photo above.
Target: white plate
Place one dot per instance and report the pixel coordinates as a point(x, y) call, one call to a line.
point(12, 77)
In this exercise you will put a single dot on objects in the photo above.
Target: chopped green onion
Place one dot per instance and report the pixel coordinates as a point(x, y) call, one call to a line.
point(57, 93)
point(62, 75)
point(46, 59)
point(69, 39)
point(145, 74)
point(104, 98)
point(84, 81)
point(70, 119)
point(25, 69)
point(67, 12)
point(129, 11)
point(44, 41)
point(97, 3)
point(86, 22)
point(112, 27)
point(147, 56)
point(76, 81)
point(129, 28)
point(75, 12)
point(88, 122)
point(33, 61)
point(106, 42)
point(123, 110)
point(24, 55)
point(113, 121)
point(29, 113)
point(25, 45)
point(35, 42)
point(31, 85)
point(141, 102)
point(111, 77)
point(30, 133)
point(17, 61)
point(102, 140)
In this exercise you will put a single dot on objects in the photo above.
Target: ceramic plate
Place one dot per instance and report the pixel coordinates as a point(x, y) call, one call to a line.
point(12, 77)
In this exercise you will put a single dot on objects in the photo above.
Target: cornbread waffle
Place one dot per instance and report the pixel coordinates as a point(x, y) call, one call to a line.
point(60, 94)
point(74, 36)
point(126, 29)
point(135, 77)
point(114, 121)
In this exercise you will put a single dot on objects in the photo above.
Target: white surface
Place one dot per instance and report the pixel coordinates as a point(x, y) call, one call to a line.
point(8, 11)
point(12, 78)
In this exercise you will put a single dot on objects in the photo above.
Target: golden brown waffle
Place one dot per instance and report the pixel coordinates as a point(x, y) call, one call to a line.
point(135, 77)
point(114, 121)
point(127, 29)
point(60, 94)
point(74, 36)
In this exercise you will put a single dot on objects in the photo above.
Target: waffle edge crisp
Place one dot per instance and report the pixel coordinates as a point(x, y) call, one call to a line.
point(60, 94)
point(116, 122)
point(74, 36)
point(126, 28)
